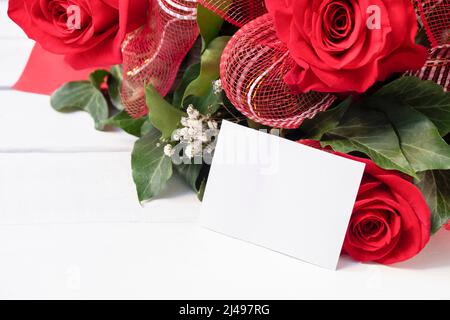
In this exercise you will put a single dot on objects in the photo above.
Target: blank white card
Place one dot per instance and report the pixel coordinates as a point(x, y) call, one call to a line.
point(280, 194)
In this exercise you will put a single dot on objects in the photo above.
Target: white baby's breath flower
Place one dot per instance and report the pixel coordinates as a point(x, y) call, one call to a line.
point(168, 150)
point(176, 135)
point(196, 132)
point(184, 121)
point(212, 124)
point(217, 87)
point(193, 114)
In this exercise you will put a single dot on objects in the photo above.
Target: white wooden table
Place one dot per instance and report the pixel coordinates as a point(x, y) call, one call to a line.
point(71, 227)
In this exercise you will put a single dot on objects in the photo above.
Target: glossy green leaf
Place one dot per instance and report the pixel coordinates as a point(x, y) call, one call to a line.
point(368, 131)
point(209, 70)
point(419, 138)
point(425, 96)
point(191, 73)
point(115, 86)
point(82, 95)
point(435, 187)
point(397, 127)
point(152, 169)
point(209, 24)
point(207, 104)
point(201, 191)
point(146, 127)
point(125, 122)
point(190, 173)
point(97, 78)
point(324, 121)
point(163, 116)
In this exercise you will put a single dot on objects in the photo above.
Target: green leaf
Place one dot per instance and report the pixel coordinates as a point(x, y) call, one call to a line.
point(207, 104)
point(425, 96)
point(209, 24)
point(152, 169)
point(420, 140)
point(82, 95)
point(435, 187)
point(325, 121)
point(146, 127)
point(391, 127)
point(422, 38)
point(201, 191)
point(124, 121)
point(190, 173)
point(115, 86)
point(210, 69)
point(162, 114)
point(97, 78)
point(192, 72)
point(368, 131)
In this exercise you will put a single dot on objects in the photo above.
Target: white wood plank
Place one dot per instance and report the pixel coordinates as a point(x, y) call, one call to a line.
point(83, 187)
point(8, 29)
point(14, 55)
point(182, 261)
point(29, 124)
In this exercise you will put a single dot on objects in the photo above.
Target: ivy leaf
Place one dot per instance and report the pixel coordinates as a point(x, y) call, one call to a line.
point(209, 70)
point(124, 121)
point(325, 121)
point(201, 191)
point(435, 187)
point(368, 131)
point(115, 86)
point(195, 176)
point(192, 72)
point(146, 127)
point(163, 116)
point(209, 24)
point(81, 95)
point(152, 169)
point(422, 38)
point(419, 138)
point(425, 96)
point(208, 104)
point(97, 78)
point(190, 173)
point(391, 127)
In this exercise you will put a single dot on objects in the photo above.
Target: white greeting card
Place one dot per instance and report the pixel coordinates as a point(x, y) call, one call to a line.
point(280, 194)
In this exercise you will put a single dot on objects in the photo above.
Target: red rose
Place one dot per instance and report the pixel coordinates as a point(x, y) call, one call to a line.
point(90, 41)
point(390, 220)
point(341, 45)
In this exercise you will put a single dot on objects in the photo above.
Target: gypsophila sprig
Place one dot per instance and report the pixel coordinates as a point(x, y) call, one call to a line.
point(195, 137)
point(217, 87)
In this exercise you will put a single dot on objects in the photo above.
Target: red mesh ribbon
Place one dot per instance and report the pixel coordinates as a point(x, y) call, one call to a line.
point(435, 17)
point(253, 66)
point(237, 12)
point(153, 54)
point(437, 67)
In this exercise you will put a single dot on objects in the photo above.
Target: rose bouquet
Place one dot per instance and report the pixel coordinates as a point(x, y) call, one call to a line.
point(364, 79)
